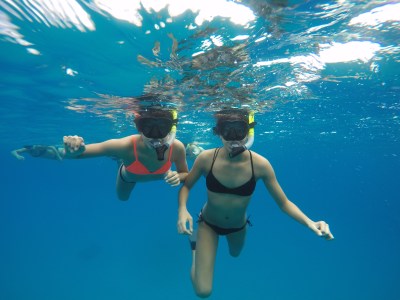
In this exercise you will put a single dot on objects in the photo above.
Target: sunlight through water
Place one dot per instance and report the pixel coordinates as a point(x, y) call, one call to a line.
point(199, 56)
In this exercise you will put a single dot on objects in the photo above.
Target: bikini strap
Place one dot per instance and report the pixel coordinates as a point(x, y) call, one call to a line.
point(170, 151)
point(214, 158)
point(252, 167)
point(134, 148)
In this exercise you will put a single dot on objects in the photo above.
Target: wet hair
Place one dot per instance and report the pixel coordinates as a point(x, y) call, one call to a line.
point(153, 112)
point(231, 114)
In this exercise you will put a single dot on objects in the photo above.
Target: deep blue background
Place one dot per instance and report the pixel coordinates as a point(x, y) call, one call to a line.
point(66, 236)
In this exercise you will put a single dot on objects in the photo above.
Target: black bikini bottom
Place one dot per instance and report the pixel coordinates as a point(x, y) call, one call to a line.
point(122, 177)
point(222, 231)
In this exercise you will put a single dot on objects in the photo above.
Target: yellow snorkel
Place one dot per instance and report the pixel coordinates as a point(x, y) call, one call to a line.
point(250, 138)
point(174, 120)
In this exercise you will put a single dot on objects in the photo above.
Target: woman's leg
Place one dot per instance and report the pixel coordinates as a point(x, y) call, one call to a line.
point(124, 188)
point(204, 260)
point(236, 242)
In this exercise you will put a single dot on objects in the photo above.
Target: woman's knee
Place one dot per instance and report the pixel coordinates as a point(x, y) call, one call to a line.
point(202, 288)
point(235, 252)
point(123, 198)
point(203, 292)
point(124, 193)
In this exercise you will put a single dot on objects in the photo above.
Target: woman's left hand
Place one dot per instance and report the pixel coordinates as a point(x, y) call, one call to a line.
point(184, 219)
point(321, 228)
point(172, 178)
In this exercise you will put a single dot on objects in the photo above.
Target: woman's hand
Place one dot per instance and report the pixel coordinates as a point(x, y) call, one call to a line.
point(74, 145)
point(17, 156)
point(321, 228)
point(172, 178)
point(183, 218)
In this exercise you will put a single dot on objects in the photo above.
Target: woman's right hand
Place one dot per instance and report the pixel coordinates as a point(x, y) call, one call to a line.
point(74, 145)
point(183, 218)
point(16, 155)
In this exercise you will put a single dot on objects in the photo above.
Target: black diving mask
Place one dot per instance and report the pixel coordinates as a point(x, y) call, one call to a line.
point(233, 130)
point(154, 128)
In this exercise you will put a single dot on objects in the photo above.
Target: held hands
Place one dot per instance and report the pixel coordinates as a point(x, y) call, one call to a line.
point(183, 218)
point(73, 145)
point(172, 178)
point(321, 228)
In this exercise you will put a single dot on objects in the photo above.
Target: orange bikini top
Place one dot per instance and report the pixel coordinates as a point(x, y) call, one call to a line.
point(140, 169)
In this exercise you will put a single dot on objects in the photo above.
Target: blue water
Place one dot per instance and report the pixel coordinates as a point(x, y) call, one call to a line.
point(330, 126)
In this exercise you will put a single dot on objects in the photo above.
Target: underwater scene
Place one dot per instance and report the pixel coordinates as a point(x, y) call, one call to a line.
point(321, 79)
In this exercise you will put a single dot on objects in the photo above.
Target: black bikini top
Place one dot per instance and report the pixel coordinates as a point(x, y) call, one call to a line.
point(215, 186)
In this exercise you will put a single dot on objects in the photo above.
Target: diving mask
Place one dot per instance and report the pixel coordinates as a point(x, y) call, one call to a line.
point(155, 128)
point(238, 134)
point(233, 130)
point(158, 132)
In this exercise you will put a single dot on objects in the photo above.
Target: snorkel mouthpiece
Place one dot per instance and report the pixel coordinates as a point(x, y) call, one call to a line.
point(160, 148)
point(236, 150)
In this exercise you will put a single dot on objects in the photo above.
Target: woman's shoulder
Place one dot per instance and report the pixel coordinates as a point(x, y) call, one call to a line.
point(121, 143)
point(259, 159)
point(125, 138)
point(178, 143)
point(261, 163)
point(207, 154)
point(178, 148)
point(203, 160)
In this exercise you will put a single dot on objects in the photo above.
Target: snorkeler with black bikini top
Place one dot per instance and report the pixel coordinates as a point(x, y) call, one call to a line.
point(231, 173)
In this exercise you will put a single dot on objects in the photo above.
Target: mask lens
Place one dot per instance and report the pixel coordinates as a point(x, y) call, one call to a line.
point(155, 128)
point(234, 130)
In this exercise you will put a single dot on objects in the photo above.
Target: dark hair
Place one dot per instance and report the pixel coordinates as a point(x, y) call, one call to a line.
point(154, 112)
point(232, 114)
